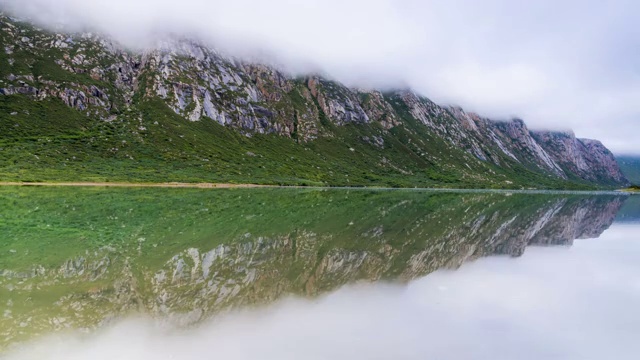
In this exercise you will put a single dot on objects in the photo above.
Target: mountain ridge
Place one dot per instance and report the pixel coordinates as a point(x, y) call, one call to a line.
point(183, 88)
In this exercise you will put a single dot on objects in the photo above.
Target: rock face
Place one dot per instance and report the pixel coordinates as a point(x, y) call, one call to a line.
point(103, 81)
point(587, 159)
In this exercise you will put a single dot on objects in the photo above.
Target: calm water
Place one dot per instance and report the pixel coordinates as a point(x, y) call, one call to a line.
point(335, 274)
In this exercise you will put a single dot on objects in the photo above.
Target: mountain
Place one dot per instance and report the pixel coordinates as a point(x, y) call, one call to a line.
point(81, 107)
point(90, 256)
point(630, 166)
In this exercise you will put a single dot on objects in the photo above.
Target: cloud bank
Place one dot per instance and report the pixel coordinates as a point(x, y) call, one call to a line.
point(553, 303)
point(558, 65)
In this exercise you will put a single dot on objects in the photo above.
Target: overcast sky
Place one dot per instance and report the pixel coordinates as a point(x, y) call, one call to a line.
point(556, 64)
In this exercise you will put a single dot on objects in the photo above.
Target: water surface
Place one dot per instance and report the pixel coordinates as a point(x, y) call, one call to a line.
point(202, 273)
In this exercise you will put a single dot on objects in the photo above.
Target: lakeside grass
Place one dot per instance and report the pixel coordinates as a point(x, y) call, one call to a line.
point(135, 185)
point(632, 189)
point(179, 185)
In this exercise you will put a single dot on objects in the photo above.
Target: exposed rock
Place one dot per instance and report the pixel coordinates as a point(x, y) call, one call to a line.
point(101, 79)
point(587, 159)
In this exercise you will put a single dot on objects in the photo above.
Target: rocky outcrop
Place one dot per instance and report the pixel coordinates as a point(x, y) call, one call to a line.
point(588, 160)
point(504, 143)
point(101, 79)
point(337, 102)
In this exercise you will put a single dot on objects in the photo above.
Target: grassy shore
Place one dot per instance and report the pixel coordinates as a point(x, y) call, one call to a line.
point(133, 184)
point(203, 185)
point(632, 189)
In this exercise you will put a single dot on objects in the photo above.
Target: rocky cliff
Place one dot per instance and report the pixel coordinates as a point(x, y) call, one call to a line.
point(584, 158)
point(120, 98)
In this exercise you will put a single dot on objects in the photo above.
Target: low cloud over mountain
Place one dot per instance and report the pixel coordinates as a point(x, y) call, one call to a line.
point(557, 65)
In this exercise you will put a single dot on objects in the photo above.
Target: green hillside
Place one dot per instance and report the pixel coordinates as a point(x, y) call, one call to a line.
point(79, 108)
point(47, 141)
point(630, 166)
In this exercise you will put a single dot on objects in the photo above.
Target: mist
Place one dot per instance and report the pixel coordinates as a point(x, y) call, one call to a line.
point(558, 65)
point(560, 303)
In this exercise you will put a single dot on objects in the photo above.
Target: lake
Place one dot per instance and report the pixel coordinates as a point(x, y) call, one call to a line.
point(144, 273)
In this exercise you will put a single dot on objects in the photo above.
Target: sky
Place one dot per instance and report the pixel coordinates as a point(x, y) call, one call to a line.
point(552, 303)
point(559, 65)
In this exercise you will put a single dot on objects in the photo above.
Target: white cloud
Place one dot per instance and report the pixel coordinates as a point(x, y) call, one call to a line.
point(568, 64)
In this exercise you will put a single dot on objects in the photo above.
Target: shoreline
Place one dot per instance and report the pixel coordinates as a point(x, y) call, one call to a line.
point(630, 191)
point(136, 185)
point(179, 185)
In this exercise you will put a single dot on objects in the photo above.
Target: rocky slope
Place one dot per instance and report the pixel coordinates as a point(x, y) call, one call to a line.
point(119, 101)
point(630, 166)
point(584, 158)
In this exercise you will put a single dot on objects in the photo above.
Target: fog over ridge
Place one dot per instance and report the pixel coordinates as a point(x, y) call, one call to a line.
point(562, 65)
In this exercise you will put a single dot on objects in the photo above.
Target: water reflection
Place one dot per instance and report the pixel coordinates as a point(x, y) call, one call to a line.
point(630, 212)
point(81, 259)
point(568, 303)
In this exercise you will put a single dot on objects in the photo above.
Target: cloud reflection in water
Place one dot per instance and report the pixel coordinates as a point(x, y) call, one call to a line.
point(552, 303)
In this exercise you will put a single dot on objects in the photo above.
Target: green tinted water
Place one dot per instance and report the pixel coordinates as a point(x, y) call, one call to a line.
point(78, 258)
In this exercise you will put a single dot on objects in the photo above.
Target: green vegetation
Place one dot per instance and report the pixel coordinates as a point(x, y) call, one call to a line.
point(45, 140)
point(48, 141)
point(633, 188)
point(630, 166)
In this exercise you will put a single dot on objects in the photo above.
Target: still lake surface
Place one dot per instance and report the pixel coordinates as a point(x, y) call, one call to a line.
point(94, 273)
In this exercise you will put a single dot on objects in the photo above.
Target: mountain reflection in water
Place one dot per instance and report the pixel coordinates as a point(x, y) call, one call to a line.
point(84, 258)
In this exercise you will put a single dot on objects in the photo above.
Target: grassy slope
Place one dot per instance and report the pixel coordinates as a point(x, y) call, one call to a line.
point(47, 141)
point(630, 166)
